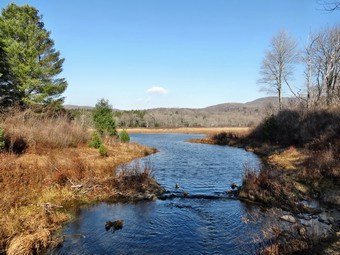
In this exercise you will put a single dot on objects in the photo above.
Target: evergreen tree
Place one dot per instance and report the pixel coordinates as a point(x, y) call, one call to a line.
point(103, 118)
point(7, 89)
point(29, 63)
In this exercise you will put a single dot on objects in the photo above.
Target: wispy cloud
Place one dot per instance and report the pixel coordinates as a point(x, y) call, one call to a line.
point(157, 90)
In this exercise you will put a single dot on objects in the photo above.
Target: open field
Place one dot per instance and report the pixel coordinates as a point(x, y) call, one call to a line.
point(189, 130)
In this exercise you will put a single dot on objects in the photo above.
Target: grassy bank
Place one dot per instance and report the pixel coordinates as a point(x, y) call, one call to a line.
point(301, 151)
point(47, 170)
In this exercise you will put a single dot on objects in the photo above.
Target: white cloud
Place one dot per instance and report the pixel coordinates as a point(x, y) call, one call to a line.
point(158, 90)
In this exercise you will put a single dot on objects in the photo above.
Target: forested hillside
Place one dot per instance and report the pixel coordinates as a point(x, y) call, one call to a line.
point(228, 114)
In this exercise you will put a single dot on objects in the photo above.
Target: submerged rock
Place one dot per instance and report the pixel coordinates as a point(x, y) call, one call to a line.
point(114, 225)
point(288, 218)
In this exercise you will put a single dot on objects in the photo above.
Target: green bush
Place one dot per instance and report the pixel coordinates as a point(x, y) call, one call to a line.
point(2, 142)
point(103, 150)
point(103, 120)
point(124, 136)
point(95, 142)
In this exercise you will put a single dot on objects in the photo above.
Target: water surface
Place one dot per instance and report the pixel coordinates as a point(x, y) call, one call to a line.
point(180, 225)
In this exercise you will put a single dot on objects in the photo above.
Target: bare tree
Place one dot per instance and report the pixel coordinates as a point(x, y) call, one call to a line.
point(307, 58)
point(325, 60)
point(277, 65)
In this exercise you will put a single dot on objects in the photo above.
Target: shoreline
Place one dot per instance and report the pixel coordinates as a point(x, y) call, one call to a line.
point(188, 130)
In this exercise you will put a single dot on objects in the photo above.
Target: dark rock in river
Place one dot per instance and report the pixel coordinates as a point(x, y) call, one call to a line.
point(233, 186)
point(114, 225)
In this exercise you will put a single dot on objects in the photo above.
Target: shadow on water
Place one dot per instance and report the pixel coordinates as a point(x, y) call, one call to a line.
point(200, 218)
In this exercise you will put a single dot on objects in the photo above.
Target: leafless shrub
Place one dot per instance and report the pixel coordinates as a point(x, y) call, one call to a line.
point(134, 176)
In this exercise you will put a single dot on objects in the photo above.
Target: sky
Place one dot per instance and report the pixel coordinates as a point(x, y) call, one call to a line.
point(142, 54)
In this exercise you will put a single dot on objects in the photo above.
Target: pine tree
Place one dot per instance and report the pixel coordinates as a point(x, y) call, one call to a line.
point(31, 64)
point(103, 118)
point(7, 90)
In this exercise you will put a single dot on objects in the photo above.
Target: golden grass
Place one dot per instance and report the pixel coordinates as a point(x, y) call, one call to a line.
point(25, 244)
point(25, 130)
point(290, 159)
point(205, 140)
point(188, 130)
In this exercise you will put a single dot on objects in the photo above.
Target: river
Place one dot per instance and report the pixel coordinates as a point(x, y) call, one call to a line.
point(183, 225)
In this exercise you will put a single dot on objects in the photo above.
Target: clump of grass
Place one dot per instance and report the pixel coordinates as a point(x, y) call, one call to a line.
point(30, 243)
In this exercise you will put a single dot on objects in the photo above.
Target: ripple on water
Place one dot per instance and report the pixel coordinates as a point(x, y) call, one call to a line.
point(180, 225)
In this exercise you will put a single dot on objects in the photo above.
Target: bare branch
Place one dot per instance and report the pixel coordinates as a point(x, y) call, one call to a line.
point(330, 6)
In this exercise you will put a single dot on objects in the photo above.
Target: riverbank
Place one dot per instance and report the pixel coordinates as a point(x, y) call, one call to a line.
point(302, 166)
point(190, 130)
point(48, 171)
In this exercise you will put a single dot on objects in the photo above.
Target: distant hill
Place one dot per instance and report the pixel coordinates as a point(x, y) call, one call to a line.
point(75, 107)
point(258, 103)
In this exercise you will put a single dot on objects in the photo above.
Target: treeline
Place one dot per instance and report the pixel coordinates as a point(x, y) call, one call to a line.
point(174, 118)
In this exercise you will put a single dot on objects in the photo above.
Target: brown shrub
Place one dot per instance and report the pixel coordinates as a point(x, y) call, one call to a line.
point(268, 187)
point(135, 178)
point(295, 128)
point(227, 138)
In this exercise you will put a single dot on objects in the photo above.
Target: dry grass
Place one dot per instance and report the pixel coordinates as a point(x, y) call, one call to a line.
point(25, 244)
point(199, 130)
point(26, 130)
point(54, 173)
point(290, 159)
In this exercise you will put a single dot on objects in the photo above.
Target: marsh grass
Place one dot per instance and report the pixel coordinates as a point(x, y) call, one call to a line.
point(26, 130)
point(51, 174)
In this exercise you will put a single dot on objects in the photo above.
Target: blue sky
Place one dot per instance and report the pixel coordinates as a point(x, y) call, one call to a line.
point(171, 53)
